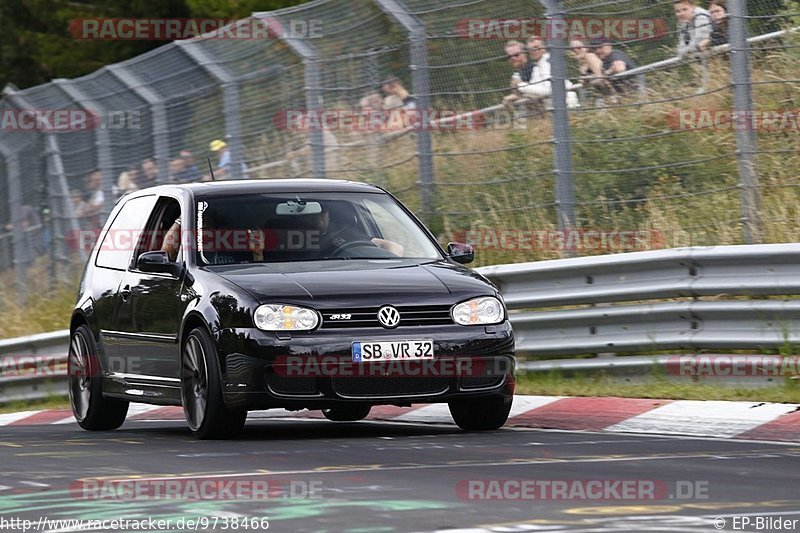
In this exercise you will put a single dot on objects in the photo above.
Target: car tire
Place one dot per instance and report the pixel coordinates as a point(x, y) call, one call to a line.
point(347, 413)
point(201, 390)
point(480, 415)
point(92, 410)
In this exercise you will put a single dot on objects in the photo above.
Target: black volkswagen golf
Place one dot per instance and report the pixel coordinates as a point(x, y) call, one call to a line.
point(226, 297)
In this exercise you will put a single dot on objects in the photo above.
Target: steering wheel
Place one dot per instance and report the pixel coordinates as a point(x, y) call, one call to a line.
point(352, 244)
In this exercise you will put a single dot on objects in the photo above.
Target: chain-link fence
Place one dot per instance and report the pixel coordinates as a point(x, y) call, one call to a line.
point(608, 142)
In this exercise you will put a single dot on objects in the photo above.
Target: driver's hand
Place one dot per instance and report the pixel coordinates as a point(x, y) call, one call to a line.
point(255, 243)
point(389, 246)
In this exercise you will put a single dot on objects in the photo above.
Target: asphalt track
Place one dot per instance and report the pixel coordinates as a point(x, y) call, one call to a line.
point(377, 476)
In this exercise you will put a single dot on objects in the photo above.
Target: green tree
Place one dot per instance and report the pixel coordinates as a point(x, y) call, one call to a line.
point(36, 44)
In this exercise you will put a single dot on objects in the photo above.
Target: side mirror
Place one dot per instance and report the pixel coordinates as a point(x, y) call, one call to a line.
point(460, 252)
point(158, 262)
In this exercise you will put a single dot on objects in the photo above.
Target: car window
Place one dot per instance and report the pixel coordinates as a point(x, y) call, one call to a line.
point(276, 227)
point(118, 242)
point(159, 233)
point(386, 217)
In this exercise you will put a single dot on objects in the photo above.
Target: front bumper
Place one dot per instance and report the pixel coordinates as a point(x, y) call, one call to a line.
point(315, 370)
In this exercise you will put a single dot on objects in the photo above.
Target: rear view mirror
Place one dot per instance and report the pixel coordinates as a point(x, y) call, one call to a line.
point(298, 207)
point(460, 252)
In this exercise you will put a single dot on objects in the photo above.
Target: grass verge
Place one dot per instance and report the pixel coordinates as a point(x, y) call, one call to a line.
point(53, 402)
point(555, 384)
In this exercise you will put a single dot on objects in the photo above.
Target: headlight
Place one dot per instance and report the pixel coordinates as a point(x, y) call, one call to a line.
point(479, 311)
point(277, 317)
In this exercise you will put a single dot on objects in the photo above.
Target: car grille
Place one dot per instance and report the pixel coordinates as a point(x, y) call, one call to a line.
point(367, 317)
point(377, 386)
point(293, 385)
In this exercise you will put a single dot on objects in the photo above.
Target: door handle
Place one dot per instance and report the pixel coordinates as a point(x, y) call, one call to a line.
point(125, 293)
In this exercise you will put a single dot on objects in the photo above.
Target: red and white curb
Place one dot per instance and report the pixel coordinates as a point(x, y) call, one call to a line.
point(741, 420)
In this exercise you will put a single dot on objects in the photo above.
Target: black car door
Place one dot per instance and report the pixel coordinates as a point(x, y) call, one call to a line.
point(112, 261)
point(152, 305)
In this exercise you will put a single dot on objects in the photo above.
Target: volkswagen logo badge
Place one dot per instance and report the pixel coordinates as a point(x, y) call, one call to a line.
point(389, 316)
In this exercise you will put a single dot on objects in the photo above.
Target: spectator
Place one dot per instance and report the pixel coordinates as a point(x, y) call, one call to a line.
point(615, 62)
point(718, 12)
point(371, 102)
point(397, 96)
point(190, 172)
point(127, 181)
point(694, 26)
point(95, 200)
point(589, 65)
point(515, 52)
point(220, 148)
point(538, 84)
point(176, 167)
point(149, 176)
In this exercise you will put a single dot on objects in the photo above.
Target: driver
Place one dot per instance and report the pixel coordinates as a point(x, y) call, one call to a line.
point(332, 240)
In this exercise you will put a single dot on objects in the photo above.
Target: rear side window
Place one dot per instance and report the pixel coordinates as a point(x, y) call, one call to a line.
point(118, 243)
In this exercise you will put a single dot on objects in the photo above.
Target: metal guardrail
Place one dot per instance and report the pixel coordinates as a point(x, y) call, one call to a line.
point(671, 283)
point(33, 367)
point(589, 305)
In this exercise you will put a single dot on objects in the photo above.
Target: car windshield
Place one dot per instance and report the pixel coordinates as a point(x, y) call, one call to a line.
point(274, 228)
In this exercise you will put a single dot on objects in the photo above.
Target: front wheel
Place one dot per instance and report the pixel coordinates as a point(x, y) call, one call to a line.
point(347, 413)
point(480, 415)
point(201, 390)
point(92, 410)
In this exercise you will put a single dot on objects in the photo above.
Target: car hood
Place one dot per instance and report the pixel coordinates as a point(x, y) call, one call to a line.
point(357, 283)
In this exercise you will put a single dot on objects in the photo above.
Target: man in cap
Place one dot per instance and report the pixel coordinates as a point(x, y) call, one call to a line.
point(220, 147)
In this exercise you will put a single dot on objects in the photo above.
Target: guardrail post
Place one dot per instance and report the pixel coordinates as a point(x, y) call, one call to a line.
point(19, 242)
point(159, 116)
point(745, 137)
point(230, 101)
point(562, 140)
point(102, 136)
point(420, 86)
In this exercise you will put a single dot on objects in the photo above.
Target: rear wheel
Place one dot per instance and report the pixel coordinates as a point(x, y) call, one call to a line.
point(347, 413)
point(92, 410)
point(480, 415)
point(201, 390)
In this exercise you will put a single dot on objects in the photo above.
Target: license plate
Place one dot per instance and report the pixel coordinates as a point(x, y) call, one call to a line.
point(391, 350)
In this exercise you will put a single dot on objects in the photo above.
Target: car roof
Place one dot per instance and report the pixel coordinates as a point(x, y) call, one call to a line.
point(224, 188)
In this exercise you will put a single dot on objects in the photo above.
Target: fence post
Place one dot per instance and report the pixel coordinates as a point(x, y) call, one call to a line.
point(19, 243)
point(745, 137)
point(158, 113)
point(420, 86)
point(60, 203)
point(562, 140)
point(230, 100)
point(310, 56)
point(102, 136)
